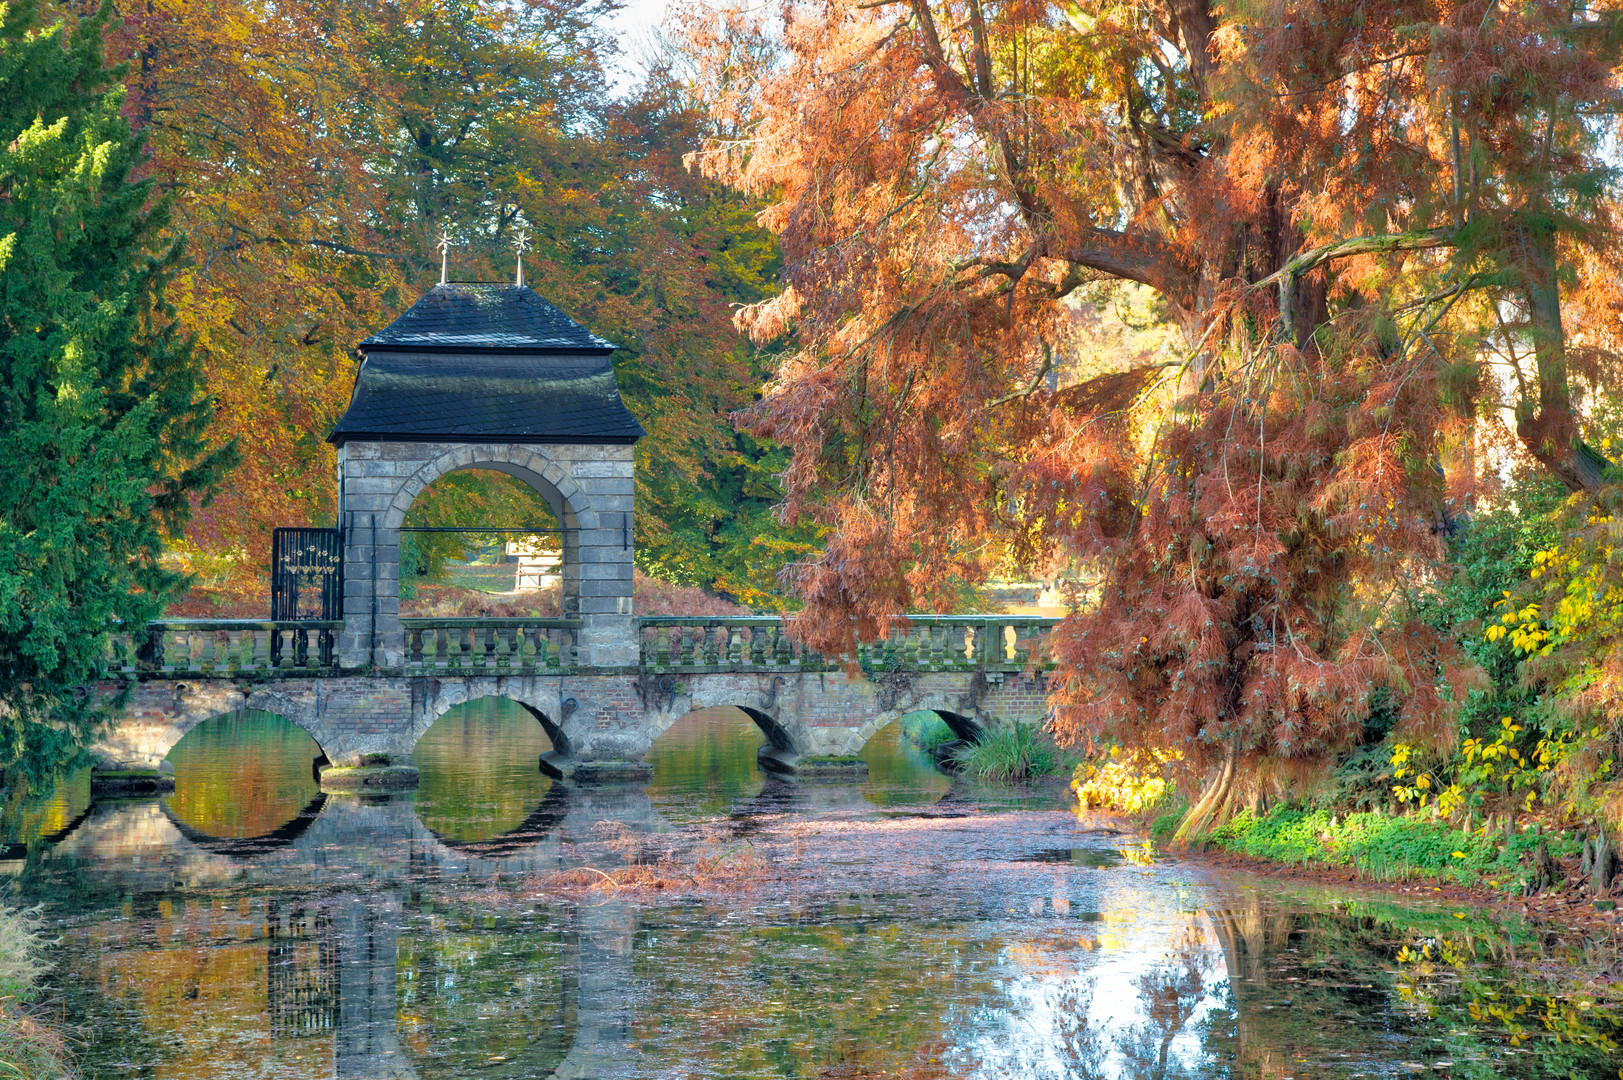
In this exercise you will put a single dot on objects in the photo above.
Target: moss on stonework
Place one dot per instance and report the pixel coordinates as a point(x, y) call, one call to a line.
point(344, 778)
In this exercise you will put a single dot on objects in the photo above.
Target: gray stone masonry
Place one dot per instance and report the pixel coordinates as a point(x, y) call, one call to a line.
point(590, 489)
point(589, 718)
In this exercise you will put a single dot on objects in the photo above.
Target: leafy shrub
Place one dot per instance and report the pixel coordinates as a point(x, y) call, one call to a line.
point(1163, 827)
point(1130, 781)
point(1017, 752)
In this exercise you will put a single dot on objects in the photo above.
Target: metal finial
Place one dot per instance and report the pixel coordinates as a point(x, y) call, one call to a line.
point(521, 244)
point(445, 250)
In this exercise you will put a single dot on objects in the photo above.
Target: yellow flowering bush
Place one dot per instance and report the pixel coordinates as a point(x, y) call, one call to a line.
point(1131, 782)
point(1580, 576)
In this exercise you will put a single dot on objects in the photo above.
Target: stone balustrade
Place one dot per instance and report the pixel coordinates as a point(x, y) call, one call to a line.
point(489, 646)
point(225, 647)
point(760, 643)
point(230, 647)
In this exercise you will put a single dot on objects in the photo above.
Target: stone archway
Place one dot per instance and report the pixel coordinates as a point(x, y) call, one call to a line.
point(965, 728)
point(570, 505)
point(589, 488)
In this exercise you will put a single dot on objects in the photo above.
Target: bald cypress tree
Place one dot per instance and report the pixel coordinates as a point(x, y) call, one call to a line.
point(102, 413)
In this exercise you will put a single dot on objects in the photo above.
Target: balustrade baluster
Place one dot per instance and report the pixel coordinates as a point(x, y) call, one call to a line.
point(735, 645)
point(687, 643)
point(758, 646)
point(414, 646)
point(328, 638)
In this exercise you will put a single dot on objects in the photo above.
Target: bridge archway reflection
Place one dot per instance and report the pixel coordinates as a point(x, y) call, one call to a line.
point(480, 778)
point(706, 762)
point(244, 776)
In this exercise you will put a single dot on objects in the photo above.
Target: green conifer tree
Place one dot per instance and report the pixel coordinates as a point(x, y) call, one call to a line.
point(102, 414)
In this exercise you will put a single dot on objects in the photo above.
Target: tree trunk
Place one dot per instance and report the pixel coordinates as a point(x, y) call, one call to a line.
point(1549, 426)
point(1207, 812)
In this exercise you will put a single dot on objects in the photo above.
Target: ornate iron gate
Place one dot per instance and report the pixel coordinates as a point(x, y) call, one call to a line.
point(307, 574)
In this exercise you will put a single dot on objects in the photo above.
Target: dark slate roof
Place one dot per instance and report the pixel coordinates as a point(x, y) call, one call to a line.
point(475, 315)
point(476, 362)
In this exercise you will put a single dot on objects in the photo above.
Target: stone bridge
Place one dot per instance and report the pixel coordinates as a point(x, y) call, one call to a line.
point(976, 672)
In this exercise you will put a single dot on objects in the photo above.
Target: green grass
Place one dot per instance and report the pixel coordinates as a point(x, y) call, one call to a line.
point(1383, 848)
point(1017, 752)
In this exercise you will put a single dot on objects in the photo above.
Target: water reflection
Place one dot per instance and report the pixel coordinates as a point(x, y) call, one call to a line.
point(900, 773)
point(998, 943)
point(704, 764)
point(26, 823)
point(242, 775)
point(479, 773)
point(486, 992)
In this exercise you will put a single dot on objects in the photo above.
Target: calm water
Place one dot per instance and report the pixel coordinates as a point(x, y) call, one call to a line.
point(907, 925)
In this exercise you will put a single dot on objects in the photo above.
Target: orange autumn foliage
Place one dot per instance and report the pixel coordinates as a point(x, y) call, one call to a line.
point(1344, 205)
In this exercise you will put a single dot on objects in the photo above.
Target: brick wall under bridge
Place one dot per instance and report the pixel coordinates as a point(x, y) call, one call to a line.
point(976, 672)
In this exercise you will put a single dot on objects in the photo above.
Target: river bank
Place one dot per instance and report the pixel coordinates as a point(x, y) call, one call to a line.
point(1476, 869)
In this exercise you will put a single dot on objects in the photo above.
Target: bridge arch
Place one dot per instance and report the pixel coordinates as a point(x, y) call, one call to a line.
point(963, 727)
point(191, 705)
point(541, 701)
point(778, 736)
